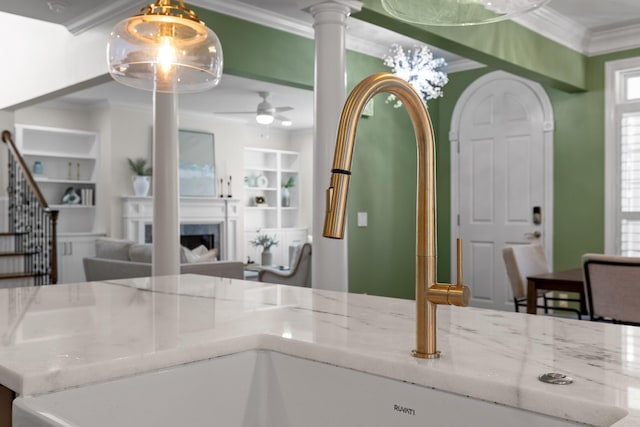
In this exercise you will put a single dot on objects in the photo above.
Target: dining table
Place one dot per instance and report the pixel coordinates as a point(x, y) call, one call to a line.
point(561, 281)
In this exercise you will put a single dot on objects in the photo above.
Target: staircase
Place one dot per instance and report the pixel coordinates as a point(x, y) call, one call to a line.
point(28, 248)
point(14, 263)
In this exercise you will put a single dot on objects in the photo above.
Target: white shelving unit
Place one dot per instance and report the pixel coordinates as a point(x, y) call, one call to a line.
point(69, 158)
point(265, 171)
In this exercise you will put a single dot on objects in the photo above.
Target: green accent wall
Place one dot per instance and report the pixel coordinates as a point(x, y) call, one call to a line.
point(262, 53)
point(505, 45)
point(383, 184)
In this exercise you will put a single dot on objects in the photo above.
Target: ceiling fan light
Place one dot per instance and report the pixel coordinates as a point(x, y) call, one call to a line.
point(287, 123)
point(165, 48)
point(458, 12)
point(264, 119)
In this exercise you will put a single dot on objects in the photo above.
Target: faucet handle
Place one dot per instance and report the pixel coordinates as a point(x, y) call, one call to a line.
point(459, 262)
point(459, 294)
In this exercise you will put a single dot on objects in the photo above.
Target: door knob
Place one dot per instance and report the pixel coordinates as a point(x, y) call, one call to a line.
point(535, 235)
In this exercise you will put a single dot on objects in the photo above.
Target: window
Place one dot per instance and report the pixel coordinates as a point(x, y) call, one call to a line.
point(622, 182)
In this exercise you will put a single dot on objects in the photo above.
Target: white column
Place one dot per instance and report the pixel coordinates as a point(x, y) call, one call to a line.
point(329, 257)
point(166, 218)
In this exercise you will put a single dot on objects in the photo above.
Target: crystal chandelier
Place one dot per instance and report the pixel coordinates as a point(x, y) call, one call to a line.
point(419, 68)
point(458, 12)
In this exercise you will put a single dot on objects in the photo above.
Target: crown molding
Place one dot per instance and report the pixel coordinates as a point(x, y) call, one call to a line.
point(554, 26)
point(563, 30)
point(305, 29)
point(107, 11)
point(463, 65)
point(259, 16)
point(614, 39)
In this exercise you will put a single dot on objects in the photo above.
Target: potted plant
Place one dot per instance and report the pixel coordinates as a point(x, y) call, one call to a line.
point(266, 242)
point(286, 194)
point(142, 176)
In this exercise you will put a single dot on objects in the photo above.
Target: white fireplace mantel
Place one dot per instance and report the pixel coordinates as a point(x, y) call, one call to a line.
point(138, 212)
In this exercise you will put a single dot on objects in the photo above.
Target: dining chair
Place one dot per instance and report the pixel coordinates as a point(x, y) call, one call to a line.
point(612, 286)
point(299, 275)
point(522, 261)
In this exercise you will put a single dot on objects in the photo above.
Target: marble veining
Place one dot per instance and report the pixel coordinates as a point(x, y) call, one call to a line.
point(71, 335)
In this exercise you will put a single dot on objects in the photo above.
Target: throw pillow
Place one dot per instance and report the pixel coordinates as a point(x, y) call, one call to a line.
point(210, 255)
point(186, 256)
point(200, 250)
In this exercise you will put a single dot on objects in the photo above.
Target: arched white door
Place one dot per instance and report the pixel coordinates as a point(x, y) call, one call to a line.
point(502, 176)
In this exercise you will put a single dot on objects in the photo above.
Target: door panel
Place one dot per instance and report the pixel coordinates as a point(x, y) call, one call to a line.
point(501, 179)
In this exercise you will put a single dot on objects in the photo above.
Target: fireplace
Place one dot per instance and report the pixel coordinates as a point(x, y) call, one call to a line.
point(212, 222)
point(194, 235)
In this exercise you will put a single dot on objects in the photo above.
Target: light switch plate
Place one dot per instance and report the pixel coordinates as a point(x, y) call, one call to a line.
point(362, 219)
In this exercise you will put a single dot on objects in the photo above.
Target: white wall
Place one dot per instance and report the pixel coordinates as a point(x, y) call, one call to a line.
point(6, 123)
point(302, 141)
point(56, 58)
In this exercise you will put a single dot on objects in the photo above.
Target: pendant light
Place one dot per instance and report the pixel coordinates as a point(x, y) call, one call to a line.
point(458, 12)
point(165, 48)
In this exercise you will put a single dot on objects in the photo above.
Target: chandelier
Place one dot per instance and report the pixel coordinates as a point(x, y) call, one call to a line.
point(418, 67)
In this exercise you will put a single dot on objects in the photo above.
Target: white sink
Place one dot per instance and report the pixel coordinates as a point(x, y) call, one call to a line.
point(265, 389)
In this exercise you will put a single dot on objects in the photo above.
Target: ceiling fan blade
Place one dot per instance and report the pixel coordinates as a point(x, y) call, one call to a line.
point(282, 118)
point(234, 112)
point(282, 109)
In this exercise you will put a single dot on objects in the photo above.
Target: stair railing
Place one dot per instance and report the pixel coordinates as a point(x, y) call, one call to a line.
point(31, 219)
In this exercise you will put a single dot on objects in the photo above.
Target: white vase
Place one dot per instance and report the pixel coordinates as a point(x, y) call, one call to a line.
point(286, 197)
point(141, 185)
point(266, 257)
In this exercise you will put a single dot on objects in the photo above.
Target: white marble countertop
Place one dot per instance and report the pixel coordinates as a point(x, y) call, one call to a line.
point(70, 335)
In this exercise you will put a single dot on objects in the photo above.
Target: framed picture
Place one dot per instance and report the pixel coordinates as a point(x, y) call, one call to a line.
point(197, 163)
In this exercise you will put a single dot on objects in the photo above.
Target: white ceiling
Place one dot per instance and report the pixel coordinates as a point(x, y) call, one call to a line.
point(235, 94)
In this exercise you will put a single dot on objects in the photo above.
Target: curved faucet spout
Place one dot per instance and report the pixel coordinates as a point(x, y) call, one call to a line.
point(428, 292)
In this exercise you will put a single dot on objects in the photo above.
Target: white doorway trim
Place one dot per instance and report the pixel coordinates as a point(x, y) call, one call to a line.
point(548, 127)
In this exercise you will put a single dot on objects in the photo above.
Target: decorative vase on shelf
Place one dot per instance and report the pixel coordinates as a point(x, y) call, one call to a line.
point(37, 168)
point(141, 184)
point(266, 257)
point(286, 197)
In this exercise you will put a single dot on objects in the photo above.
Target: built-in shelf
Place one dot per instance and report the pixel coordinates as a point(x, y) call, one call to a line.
point(265, 172)
point(61, 159)
point(70, 156)
point(260, 189)
point(45, 180)
point(261, 208)
point(63, 206)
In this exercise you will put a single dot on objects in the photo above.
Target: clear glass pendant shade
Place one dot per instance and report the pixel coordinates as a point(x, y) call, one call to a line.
point(458, 12)
point(165, 48)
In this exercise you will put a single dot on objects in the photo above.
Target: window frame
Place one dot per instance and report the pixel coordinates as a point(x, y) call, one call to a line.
point(616, 104)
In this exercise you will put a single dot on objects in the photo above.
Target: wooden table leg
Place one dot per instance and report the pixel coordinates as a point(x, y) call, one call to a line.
point(532, 297)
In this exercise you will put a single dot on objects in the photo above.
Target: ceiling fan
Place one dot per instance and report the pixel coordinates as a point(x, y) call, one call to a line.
point(265, 112)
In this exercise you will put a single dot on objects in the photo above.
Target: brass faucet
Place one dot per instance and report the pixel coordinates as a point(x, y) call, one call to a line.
point(428, 292)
